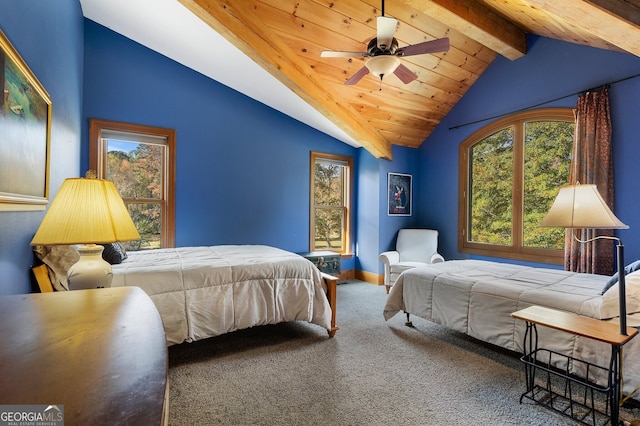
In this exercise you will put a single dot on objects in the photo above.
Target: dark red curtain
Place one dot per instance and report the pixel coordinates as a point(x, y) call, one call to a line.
point(592, 163)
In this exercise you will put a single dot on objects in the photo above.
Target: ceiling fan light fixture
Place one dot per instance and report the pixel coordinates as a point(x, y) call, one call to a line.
point(382, 65)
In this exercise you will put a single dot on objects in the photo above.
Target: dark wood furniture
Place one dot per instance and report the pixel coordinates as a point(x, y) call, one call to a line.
point(99, 353)
point(577, 399)
point(328, 262)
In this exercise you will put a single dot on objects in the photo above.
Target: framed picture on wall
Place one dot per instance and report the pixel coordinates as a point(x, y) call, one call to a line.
point(399, 194)
point(25, 129)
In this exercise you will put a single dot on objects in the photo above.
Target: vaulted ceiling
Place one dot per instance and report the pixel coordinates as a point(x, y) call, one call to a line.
point(285, 37)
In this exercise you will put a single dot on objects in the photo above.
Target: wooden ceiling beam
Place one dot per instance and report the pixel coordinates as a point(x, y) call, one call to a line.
point(615, 21)
point(241, 26)
point(478, 22)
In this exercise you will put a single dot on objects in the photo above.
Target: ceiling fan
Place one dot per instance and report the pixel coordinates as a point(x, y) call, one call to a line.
point(384, 53)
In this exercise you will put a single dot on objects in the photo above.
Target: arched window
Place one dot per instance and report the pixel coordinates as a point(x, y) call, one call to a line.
point(510, 173)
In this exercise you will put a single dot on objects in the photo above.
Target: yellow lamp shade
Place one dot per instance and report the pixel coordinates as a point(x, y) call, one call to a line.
point(86, 210)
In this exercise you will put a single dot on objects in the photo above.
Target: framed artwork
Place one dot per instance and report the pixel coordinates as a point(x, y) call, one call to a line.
point(399, 194)
point(25, 131)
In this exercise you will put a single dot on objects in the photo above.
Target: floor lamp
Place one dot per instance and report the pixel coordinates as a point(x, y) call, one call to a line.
point(87, 211)
point(582, 206)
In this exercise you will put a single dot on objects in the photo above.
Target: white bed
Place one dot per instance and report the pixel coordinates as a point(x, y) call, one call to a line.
point(477, 298)
point(208, 291)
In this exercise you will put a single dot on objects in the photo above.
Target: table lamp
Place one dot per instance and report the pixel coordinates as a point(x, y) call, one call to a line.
point(582, 206)
point(87, 211)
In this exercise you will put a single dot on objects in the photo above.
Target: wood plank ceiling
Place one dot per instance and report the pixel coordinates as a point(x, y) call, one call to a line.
point(286, 37)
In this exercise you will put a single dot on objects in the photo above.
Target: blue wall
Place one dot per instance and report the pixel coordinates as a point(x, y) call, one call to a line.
point(242, 167)
point(48, 36)
point(405, 161)
point(368, 217)
point(551, 70)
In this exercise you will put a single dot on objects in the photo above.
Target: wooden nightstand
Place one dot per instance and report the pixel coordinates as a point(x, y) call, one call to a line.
point(539, 360)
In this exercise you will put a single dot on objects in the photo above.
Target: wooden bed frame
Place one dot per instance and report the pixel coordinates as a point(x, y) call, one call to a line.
point(332, 286)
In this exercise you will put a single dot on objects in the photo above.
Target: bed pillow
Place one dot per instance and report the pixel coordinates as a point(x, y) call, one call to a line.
point(610, 307)
point(114, 253)
point(633, 266)
point(58, 258)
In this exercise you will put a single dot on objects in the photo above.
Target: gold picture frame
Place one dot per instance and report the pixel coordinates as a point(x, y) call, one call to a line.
point(25, 132)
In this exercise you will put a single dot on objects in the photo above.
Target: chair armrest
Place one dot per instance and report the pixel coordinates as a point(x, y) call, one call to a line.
point(437, 258)
point(389, 257)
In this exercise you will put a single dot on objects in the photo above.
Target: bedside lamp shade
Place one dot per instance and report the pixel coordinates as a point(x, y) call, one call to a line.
point(582, 206)
point(87, 211)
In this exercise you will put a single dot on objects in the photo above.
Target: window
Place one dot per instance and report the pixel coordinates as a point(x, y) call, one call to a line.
point(140, 160)
point(510, 173)
point(331, 177)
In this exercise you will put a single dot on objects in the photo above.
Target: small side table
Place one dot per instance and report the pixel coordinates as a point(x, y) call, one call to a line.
point(539, 360)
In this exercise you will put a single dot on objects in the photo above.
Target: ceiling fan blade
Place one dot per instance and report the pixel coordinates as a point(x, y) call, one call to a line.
point(341, 54)
point(433, 46)
point(405, 74)
point(357, 76)
point(386, 28)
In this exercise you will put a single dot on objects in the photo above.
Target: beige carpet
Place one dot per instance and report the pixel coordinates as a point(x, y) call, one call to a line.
point(371, 373)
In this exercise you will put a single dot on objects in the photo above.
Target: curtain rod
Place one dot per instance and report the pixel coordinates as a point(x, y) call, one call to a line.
point(593, 89)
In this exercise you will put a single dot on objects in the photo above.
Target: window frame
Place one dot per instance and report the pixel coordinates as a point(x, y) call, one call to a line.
point(516, 250)
point(98, 159)
point(347, 197)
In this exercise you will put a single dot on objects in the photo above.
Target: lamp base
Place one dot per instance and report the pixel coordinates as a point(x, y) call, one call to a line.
point(91, 271)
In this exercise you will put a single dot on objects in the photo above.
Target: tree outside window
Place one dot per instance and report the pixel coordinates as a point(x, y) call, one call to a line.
point(331, 177)
point(140, 162)
point(510, 173)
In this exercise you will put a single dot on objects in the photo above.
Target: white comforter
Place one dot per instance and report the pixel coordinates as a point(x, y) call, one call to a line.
point(477, 298)
point(207, 291)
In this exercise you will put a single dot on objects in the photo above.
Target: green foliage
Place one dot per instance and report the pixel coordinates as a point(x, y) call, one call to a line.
point(328, 196)
point(547, 160)
point(491, 187)
point(146, 217)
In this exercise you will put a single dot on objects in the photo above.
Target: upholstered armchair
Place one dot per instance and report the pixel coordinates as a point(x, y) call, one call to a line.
point(414, 247)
